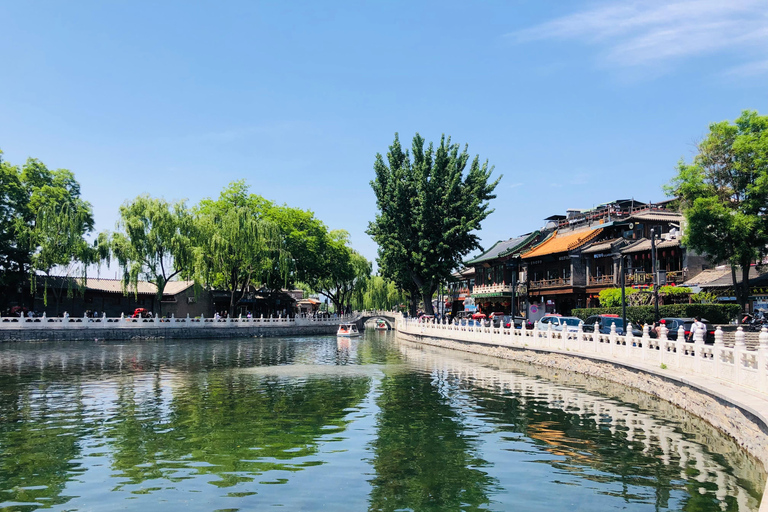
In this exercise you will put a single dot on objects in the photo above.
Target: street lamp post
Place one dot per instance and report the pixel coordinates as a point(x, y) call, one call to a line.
point(513, 266)
point(655, 276)
point(622, 281)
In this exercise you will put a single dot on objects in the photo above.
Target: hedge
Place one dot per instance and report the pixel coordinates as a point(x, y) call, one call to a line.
point(715, 313)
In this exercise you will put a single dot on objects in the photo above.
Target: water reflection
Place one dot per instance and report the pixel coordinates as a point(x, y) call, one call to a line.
point(320, 423)
point(619, 443)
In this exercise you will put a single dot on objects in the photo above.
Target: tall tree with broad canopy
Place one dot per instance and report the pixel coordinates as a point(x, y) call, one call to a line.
point(724, 195)
point(235, 247)
point(44, 223)
point(155, 242)
point(429, 209)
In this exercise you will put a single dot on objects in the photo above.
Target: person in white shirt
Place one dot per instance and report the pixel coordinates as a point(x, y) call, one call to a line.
point(697, 326)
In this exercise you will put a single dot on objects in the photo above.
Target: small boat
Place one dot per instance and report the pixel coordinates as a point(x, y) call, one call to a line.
point(348, 330)
point(381, 325)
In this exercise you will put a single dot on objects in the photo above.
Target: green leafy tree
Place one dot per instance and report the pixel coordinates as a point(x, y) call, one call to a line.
point(428, 210)
point(44, 223)
point(346, 271)
point(155, 242)
point(378, 293)
point(724, 195)
point(236, 248)
point(305, 237)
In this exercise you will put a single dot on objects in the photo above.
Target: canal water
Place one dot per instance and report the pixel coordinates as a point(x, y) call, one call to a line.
point(320, 423)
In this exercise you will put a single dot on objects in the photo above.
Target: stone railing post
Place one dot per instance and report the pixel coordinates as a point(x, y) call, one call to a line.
point(662, 343)
point(580, 337)
point(718, 351)
point(646, 342)
point(613, 338)
point(596, 337)
point(550, 334)
point(739, 347)
point(629, 339)
point(698, 348)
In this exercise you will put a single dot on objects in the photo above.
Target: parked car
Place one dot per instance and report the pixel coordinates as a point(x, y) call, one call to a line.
point(673, 324)
point(559, 323)
point(501, 320)
point(604, 322)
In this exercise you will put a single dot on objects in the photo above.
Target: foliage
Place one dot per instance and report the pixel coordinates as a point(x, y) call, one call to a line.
point(234, 248)
point(715, 313)
point(379, 293)
point(704, 298)
point(44, 224)
point(724, 195)
point(672, 291)
point(611, 297)
point(305, 238)
point(156, 242)
point(346, 271)
point(428, 208)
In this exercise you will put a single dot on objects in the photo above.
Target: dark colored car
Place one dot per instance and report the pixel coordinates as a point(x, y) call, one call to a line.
point(673, 324)
point(605, 322)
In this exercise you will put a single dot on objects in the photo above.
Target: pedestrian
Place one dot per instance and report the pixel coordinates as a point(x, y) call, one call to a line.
point(697, 326)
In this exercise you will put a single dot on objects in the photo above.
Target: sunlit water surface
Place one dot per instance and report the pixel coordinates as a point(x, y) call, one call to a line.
point(317, 423)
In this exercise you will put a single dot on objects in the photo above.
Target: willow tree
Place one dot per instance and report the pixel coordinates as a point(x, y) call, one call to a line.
point(59, 236)
point(236, 249)
point(429, 206)
point(724, 196)
point(154, 242)
point(44, 221)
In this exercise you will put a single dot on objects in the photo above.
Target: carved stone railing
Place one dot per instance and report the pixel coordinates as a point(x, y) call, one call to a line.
point(737, 365)
point(123, 322)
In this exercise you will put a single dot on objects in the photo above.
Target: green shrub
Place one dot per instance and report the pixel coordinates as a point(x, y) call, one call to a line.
point(715, 313)
point(611, 297)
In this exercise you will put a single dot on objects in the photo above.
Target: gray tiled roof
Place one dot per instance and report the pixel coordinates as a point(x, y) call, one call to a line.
point(500, 248)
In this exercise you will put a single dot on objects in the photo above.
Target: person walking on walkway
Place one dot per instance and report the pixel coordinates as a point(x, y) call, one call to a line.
point(697, 326)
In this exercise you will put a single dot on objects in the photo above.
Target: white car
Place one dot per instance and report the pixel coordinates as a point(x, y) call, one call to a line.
point(559, 323)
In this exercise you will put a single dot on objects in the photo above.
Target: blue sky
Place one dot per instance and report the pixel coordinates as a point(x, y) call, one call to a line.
point(575, 103)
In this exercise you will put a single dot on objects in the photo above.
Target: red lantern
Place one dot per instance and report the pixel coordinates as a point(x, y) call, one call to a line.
point(672, 252)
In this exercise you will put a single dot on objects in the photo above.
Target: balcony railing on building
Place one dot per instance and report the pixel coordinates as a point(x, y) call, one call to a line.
point(550, 283)
point(598, 280)
point(646, 278)
point(489, 289)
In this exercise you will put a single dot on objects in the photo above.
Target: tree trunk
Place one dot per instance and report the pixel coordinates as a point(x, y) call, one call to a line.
point(426, 296)
point(413, 304)
point(744, 298)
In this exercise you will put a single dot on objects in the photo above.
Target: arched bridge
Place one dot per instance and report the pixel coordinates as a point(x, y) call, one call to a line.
point(390, 317)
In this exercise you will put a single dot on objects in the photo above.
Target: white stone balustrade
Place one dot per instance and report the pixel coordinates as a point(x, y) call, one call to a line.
point(123, 322)
point(738, 365)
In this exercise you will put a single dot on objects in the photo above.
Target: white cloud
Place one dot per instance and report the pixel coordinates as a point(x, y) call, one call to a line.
point(639, 32)
point(758, 67)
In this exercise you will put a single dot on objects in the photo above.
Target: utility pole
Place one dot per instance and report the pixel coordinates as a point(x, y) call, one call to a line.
point(655, 277)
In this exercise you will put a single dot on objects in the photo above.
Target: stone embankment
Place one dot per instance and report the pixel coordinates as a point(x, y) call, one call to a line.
point(125, 329)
